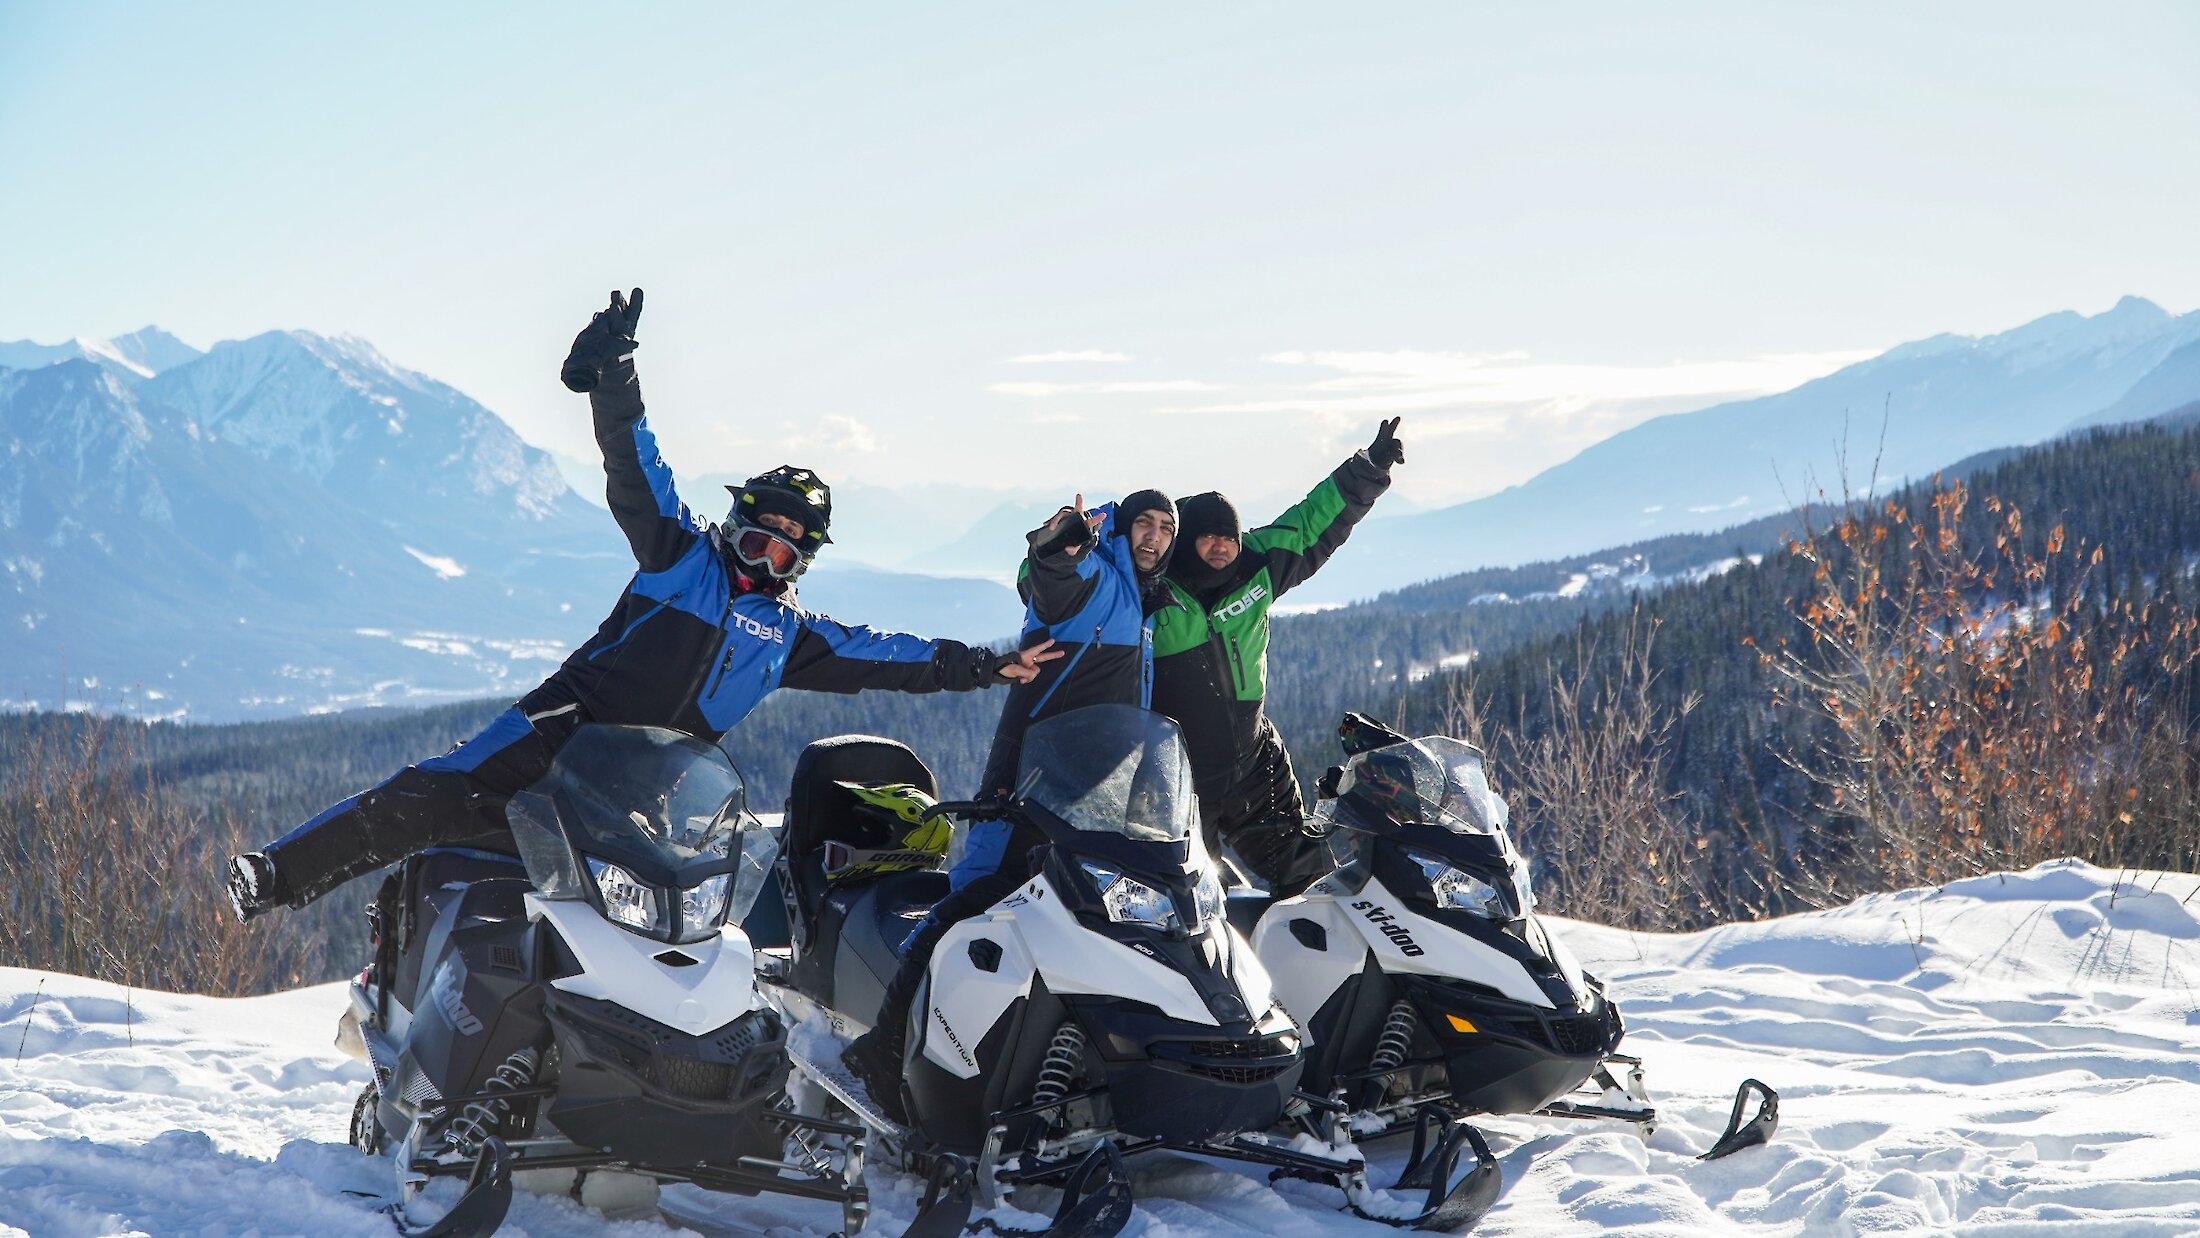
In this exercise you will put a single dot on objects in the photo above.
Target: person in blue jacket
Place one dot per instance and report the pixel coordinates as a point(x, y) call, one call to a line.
point(706, 628)
point(1091, 582)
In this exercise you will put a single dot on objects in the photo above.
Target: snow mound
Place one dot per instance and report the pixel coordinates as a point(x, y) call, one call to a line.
point(2013, 1054)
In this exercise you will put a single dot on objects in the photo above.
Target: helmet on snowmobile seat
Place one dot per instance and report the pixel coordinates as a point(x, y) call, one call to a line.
point(822, 810)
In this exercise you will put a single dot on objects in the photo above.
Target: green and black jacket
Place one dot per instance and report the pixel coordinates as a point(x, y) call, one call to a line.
point(1210, 649)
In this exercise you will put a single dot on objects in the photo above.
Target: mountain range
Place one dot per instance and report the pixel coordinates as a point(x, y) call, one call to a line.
point(1901, 415)
point(291, 523)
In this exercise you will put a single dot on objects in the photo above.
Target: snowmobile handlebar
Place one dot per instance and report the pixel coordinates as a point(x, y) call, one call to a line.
point(991, 808)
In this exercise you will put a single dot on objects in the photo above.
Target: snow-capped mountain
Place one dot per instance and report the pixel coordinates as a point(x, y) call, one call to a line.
point(141, 354)
point(1940, 399)
point(292, 523)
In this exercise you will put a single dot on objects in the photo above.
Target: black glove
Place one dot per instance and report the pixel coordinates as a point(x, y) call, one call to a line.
point(609, 335)
point(1386, 450)
point(1064, 531)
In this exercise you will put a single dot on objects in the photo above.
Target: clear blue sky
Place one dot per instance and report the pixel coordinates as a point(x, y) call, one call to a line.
point(1263, 224)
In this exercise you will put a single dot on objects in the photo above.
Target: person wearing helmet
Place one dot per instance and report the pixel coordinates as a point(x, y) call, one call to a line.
point(704, 630)
point(1210, 665)
point(1092, 582)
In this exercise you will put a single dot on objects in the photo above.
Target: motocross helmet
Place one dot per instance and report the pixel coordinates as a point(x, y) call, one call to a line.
point(794, 493)
point(887, 833)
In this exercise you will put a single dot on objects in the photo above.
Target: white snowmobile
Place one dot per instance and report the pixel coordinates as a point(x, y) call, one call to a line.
point(1104, 1009)
point(586, 1017)
point(1427, 988)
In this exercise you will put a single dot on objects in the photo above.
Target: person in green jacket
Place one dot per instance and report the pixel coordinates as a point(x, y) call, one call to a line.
point(1210, 648)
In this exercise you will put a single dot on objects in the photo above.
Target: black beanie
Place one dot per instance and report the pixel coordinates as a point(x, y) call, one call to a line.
point(1206, 515)
point(1126, 514)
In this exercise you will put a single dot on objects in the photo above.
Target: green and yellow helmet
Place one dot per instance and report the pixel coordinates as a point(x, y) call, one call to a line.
point(892, 835)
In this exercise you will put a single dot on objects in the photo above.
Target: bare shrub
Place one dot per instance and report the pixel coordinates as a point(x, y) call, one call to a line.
point(102, 874)
point(1592, 801)
point(1982, 707)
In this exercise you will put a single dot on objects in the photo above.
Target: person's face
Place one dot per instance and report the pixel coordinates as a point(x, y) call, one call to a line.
point(782, 524)
point(1216, 550)
point(1151, 534)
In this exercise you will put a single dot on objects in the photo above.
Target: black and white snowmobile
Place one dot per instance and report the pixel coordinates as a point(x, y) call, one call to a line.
point(586, 1018)
point(1104, 1009)
point(1425, 984)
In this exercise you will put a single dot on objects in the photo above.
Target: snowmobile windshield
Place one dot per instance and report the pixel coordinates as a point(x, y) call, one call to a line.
point(1114, 769)
point(1435, 781)
point(662, 808)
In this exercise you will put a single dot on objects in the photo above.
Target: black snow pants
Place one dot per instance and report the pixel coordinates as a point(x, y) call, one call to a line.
point(456, 799)
point(1263, 819)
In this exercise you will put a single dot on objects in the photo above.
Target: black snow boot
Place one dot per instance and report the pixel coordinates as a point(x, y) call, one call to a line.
point(254, 886)
point(877, 1063)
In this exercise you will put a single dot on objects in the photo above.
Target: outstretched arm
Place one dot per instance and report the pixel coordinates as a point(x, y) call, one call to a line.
point(637, 483)
point(830, 656)
point(1298, 542)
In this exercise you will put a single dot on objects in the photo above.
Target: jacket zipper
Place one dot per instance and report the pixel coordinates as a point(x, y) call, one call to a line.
point(1237, 667)
point(1145, 663)
point(1063, 678)
point(725, 664)
point(637, 623)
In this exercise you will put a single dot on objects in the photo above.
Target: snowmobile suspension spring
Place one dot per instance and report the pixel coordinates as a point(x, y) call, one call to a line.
point(1065, 1060)
point(482, 1117)
point(1396, 1040)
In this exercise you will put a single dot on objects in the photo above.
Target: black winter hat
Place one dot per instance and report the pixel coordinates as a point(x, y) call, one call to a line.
point(1207, 515)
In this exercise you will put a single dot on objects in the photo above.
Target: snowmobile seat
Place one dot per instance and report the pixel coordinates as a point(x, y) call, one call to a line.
point(819, 811)
point(859, 936)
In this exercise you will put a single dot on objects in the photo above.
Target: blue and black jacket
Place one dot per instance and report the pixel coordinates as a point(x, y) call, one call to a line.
point(1095, 608)
point(693, 643)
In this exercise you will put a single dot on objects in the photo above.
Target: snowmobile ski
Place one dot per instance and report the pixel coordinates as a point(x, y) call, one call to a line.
point(481, 1209)
point(1089, 1208)
point(945, 1210)
point(1450, 1206)
point(1740, 1134)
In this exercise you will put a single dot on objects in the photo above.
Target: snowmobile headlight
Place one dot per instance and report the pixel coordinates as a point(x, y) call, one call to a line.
point(1130, 901)
point(1206, 901)
point(703, 906)
point(1455, 887)
point(625, 900)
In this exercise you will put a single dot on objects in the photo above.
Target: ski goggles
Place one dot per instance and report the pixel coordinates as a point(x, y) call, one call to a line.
point(769, 551)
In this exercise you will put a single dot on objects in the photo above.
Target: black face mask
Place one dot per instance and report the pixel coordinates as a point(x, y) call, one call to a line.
point(1206, 515)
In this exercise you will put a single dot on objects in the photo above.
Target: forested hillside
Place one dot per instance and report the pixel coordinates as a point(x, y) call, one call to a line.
point(1962, 677)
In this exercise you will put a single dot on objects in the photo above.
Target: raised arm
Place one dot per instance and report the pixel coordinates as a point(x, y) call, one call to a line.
point(1297, 543)
point(637, 483)
point(1060, 569)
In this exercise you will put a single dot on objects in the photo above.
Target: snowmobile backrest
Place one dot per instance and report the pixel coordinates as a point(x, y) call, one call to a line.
point(818, 811)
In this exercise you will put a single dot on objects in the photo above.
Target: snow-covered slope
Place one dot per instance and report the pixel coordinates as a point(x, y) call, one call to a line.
point(2012, 1055)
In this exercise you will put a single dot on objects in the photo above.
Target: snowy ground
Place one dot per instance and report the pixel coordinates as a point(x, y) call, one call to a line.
point(2009, 1055)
